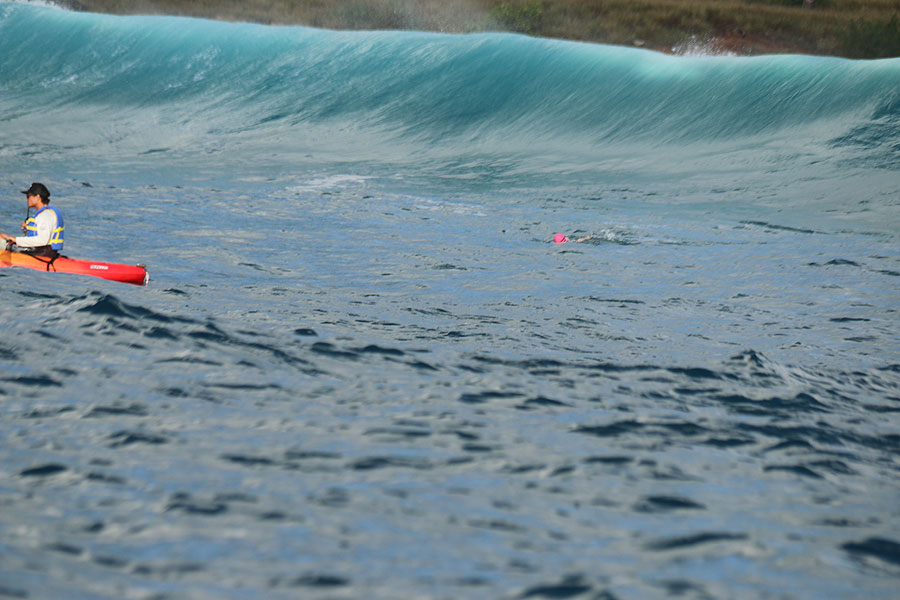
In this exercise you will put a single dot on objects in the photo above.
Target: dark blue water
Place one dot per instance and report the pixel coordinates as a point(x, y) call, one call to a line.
point(361, 369)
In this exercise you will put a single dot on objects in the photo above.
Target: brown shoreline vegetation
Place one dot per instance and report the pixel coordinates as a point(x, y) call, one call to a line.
point(848, 28)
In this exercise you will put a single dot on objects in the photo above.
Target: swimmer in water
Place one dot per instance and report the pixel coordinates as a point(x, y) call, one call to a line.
point(559, 238)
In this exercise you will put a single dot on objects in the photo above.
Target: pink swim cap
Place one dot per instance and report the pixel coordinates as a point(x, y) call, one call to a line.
point(560, 239)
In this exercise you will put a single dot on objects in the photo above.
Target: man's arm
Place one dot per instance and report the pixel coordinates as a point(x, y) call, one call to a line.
point(45, 222)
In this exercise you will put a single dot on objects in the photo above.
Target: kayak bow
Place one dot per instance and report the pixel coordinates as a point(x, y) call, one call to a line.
point(134, 274)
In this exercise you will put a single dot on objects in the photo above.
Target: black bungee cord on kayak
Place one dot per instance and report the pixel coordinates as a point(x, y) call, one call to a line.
point(49, 262)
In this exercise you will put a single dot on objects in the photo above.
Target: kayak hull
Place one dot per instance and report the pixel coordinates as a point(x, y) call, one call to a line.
point(133, 274)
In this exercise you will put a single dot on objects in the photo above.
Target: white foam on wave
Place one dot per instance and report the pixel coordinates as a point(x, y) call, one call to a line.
point(44, 3)
point(698, 47)
point(327, 183)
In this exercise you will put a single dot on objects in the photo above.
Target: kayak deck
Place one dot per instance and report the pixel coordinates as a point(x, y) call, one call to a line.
point(133, 274)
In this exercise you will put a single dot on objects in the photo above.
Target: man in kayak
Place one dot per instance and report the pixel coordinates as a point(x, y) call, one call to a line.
point(43, 232)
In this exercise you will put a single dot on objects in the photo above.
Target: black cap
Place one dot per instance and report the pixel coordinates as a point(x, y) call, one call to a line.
point(37, 189)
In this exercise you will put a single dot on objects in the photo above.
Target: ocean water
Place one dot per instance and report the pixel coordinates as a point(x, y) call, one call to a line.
point(362, 370)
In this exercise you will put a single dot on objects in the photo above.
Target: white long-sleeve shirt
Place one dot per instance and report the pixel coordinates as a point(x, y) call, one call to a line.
point(45, 222)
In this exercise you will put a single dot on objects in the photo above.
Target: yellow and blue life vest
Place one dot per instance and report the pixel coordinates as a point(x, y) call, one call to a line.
point(30, 227)
point(56, 236)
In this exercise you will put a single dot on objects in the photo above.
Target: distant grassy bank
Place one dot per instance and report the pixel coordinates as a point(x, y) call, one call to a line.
point(849, 28)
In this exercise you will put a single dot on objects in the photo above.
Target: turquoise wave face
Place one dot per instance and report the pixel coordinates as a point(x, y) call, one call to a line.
point(114, 89)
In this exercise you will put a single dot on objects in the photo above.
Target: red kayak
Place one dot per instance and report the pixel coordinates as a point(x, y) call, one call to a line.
point(135, 274)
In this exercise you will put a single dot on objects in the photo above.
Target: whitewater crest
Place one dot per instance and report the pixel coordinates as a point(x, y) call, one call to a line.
point(696, 46)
